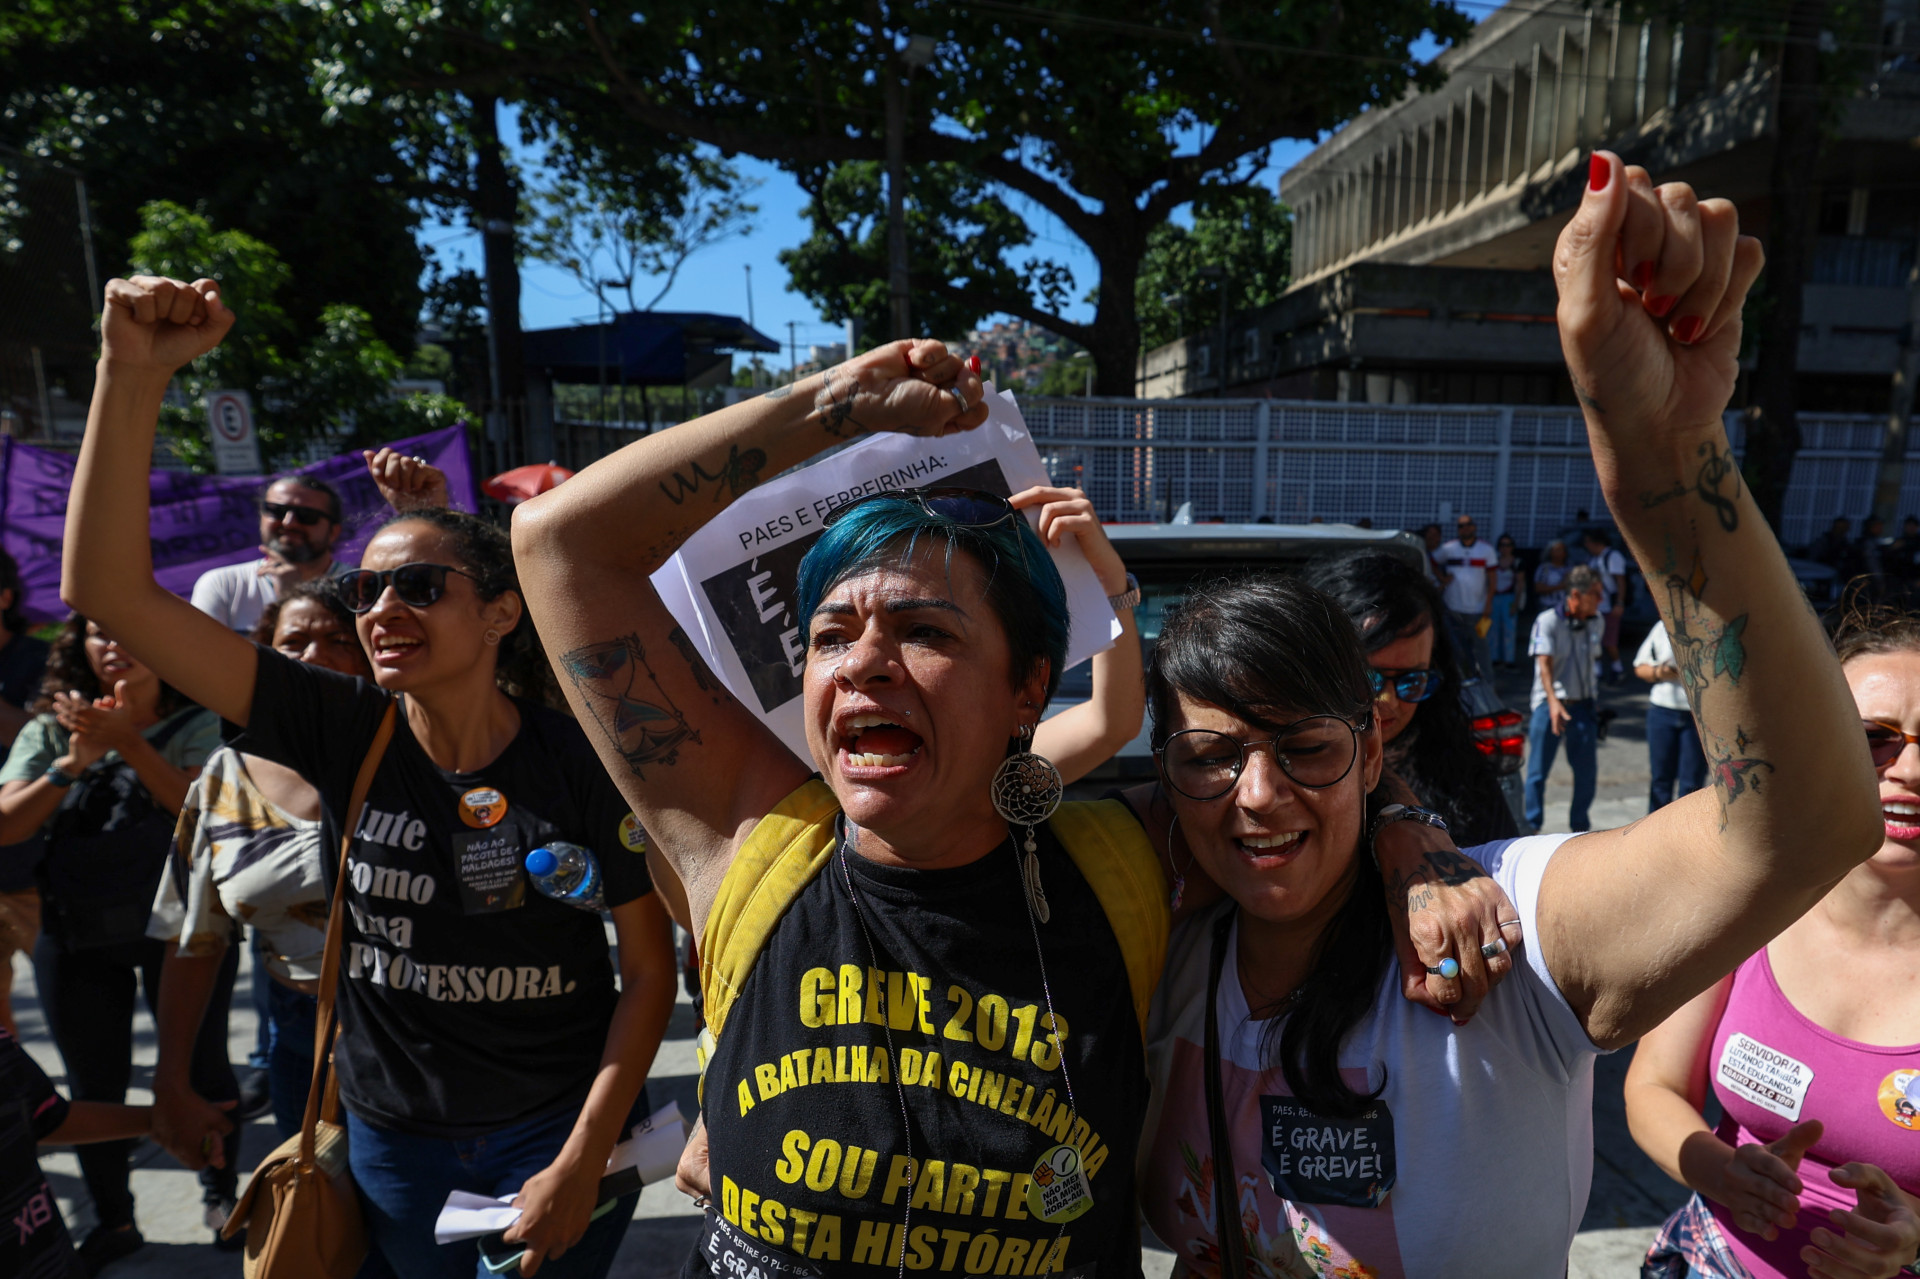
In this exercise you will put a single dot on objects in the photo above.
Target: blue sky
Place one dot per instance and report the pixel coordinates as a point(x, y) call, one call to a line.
point(716, 278)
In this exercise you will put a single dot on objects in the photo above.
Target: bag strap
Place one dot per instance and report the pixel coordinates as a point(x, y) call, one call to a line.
point(330, 957)
point(1226, 1183)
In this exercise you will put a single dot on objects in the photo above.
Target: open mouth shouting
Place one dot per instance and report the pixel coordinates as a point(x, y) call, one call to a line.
point(873, 742)
point(391, 650)
point(1902, 817)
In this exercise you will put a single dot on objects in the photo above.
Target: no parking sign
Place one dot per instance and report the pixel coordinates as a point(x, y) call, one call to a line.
point(236, 449)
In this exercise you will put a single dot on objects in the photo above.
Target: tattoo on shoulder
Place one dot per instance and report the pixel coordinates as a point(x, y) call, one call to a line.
point(633, 712)
point(740, 472)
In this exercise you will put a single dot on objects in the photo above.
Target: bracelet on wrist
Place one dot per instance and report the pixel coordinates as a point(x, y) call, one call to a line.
point(58, 776)
point(1400, 813)
point(1128, 598)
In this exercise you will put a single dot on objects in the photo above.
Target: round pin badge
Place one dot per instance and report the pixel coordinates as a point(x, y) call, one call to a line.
point(1900, 1097)
point(1059, 1191)
point(482, 807)
point(633, 836)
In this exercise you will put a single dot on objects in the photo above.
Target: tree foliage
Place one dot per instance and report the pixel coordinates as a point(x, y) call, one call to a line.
point(1248, 232)
point(213, 105)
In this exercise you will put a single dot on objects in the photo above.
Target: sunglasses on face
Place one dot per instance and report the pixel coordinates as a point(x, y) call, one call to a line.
point(969, 508)
point(1886, 741)
point(1408, 686)
point(1317, 752)
point(417, 585)
point(304, 516)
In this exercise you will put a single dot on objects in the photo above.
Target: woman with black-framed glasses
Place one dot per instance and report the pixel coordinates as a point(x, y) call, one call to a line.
point(484, 1044)
point(1307, 1116)
point(1414, 668)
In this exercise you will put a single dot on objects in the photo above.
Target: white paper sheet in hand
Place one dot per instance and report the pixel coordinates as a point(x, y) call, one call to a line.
point(731, 586)
point(653, 1148)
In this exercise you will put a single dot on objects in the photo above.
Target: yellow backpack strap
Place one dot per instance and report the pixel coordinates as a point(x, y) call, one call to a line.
point(782, 855)
point(1117, 859)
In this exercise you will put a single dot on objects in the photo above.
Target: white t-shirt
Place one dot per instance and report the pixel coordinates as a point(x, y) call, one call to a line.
point(1487, 1128)
point(1657, 650)
point(239, 593)
point(1467, 567)
point(1611, 565)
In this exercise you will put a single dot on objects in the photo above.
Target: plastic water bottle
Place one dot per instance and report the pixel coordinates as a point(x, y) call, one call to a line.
point(567, 873)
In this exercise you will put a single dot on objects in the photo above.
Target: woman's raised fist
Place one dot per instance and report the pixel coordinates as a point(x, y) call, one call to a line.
point(156, 323)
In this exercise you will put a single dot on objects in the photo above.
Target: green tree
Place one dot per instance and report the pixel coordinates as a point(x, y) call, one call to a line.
point(959, 234)
point(1248, 232)
point(214, 105)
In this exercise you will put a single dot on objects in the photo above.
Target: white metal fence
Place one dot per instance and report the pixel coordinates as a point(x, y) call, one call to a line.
point(1518, 470)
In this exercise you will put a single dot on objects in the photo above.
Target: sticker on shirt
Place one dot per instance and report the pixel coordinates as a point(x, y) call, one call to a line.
point(1764, 1076)
point(1900, 1097)
point(1310, 1158)
point(633, 836)
point(488, 863)
point(482, 807)
point(1059, 1191)
point(731, 1255)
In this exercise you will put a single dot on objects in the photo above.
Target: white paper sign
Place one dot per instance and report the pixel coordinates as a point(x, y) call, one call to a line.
point(653, 1148)
point(731, 586)
point(1765, 1076)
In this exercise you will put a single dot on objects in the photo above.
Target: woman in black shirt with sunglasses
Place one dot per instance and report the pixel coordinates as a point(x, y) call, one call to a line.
point(484, 1046)
point(1416, 684)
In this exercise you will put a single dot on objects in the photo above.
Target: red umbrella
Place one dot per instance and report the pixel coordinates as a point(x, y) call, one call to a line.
point(523, 482)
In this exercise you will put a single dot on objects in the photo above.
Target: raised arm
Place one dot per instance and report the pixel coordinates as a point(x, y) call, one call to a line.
point(1080, 739)
point(1635, 922)
point(149, 328)
point(698, 767)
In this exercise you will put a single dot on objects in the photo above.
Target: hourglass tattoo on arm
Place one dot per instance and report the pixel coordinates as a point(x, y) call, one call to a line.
point(632, 711)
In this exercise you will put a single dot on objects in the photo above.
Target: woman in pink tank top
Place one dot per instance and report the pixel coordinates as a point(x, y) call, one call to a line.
point(1811, 1048)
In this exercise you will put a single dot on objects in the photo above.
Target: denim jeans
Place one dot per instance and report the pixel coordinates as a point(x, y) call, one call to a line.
point(290, 1018)
point(1674, 758)
point(404, 1181)
point(1500, 640)
point(1581, 737)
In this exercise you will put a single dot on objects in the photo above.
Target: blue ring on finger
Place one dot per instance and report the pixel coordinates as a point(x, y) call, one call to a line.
point(1448, 968)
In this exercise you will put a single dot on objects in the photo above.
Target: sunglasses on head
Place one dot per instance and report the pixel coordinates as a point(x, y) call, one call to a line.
point(304, 516)
point(1886, 741)
point(969, 508)
point(417, 585)
point(1408, 686)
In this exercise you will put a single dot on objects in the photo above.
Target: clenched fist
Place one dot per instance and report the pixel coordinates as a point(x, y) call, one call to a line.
point(152, 322)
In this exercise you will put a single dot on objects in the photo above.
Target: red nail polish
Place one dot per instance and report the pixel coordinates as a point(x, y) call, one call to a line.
point(1643, 276)
point(973, 365)
point(1687, 328)
point(1599, 173)
point(1661, 305)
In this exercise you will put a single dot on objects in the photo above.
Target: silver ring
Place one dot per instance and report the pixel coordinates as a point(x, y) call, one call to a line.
point(1448, 968)
point(702, 1202)
point(1509, 923)
point(1496, 947)
point(958, 398)
point(421, 460)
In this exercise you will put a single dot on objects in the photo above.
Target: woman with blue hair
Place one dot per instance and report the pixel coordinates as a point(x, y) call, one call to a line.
point(925, 977)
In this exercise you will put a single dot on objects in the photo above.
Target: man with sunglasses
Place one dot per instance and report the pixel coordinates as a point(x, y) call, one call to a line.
point(1565, 648)
point(300, 521)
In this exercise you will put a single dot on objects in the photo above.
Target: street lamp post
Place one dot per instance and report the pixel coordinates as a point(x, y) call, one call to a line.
point(918, 53)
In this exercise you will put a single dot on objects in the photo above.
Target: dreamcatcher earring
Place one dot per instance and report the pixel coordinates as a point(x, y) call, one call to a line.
point(1026, 790)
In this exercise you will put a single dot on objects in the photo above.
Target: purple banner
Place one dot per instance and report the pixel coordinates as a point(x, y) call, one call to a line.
point(199, 521)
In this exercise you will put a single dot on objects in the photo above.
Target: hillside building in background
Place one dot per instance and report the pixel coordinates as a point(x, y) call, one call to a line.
point(1423, 230)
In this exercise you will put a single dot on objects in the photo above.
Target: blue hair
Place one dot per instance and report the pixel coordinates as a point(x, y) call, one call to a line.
point(1023, 587)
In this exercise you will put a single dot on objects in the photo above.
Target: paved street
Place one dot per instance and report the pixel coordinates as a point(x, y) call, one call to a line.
point(1630, 1196)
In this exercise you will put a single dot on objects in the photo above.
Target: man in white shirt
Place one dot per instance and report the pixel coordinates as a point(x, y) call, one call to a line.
point(300, 520)
point(1566, 698)
point(1466, 566)
point(1608, 561)
point(1674, 758)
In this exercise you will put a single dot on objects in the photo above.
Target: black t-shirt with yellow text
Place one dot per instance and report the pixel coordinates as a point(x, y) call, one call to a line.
point(938, 1001)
